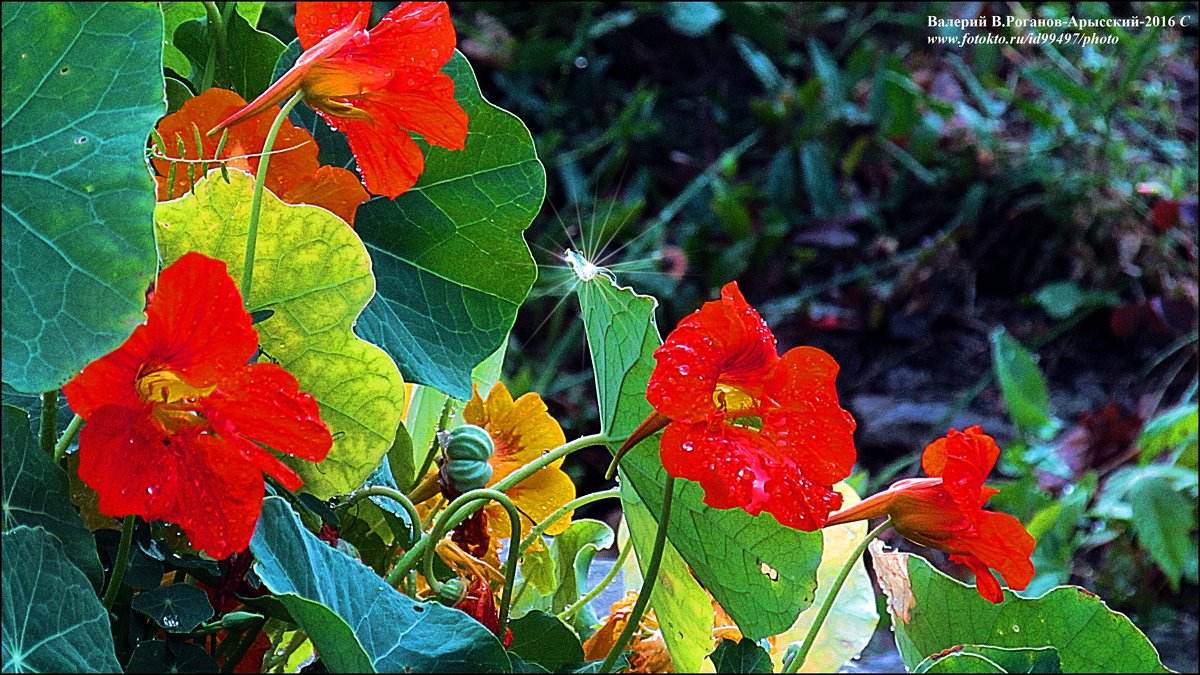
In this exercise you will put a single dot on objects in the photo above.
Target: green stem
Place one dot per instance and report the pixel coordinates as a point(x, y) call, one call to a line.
point(639, 608)
point(582, 602)
point(801, 654)
point(614, 493)
point(549, 458)
point(234, 655)
point(279, 657)
point(459, 509)
point(444, 420)
point(414, 519)
point(256, 202)
point(118, 573)
point(49, 421)
point(60, 448)
point(216, 24)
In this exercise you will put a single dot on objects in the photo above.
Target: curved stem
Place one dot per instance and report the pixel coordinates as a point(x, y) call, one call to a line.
point(256, 203)
point(460, 508)
point(549, 458)
point(639, 608)
point(414, 519)
point(118, 573)
point(548, 521)
point(49, 421)
point(60, 448)
point(802, 653)
point(582, 602)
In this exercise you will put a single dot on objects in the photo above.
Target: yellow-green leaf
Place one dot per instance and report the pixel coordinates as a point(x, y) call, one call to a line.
point(851, 622)
point(314, 272)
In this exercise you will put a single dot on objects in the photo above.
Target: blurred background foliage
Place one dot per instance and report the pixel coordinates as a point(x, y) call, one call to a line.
point(992, 234)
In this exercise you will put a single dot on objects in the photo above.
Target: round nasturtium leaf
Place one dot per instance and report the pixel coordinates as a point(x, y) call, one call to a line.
point(83, 86)
point(313, 272)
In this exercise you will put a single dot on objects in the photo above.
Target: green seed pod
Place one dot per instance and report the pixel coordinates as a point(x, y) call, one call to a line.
point(468, 449)
point(452, 592)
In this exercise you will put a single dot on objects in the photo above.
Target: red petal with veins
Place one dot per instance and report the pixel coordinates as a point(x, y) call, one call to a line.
point(985, 583)
point(725, 342)
point(809, 426)
point(315, 21)
point(191, 479)
point(963, 459)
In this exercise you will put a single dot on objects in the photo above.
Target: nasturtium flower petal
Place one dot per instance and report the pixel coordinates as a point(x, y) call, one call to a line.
point(946, 512)
point(177, 420)
point(522, 430)
point(757, 431)
point(296, 176)
point(375, 85)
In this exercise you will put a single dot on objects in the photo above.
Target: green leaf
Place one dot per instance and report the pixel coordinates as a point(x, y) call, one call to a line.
point(1164, 521)
point(449, 257)
point(1022, 384)
point(52, 619)
point(543, 639)
point(400, 460)
point(355, 620)
point(681, 605)
point(932, 612)
point(572, 552)
point(36, 493)
point(761, 572)
point(175, 14)
point(819, 183)
point(987, 659)
point(852, 620)
point(693, 19)
point(160, 656)
point(245, 65)
point(83, 87)
point(313, 271)
point(743, 656)
point(1171, 429)
point(178, 608)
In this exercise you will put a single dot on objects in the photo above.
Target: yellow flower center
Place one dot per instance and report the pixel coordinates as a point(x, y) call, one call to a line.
point(734, 401)
point(173, 400)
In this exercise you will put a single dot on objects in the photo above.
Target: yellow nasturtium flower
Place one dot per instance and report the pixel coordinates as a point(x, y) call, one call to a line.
point(522, 431)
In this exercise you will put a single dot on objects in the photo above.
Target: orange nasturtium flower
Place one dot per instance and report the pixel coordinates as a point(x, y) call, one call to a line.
point(757, 430)
point(178, 422)
point(946, 512)
point(296, 176)
point(376, 85)
point(522, 430)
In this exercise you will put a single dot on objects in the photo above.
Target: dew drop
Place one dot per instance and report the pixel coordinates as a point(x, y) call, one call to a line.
point(581, 62)
point(1016, 628)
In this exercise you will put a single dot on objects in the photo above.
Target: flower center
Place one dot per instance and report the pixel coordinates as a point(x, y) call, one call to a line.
point(328, 87)
point(733, 401)
point(173, 401)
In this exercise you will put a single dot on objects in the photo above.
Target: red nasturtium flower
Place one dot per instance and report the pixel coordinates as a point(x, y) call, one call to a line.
point(757, 430)
point(296, 176)
point(178, 421)
point(480, 604)
point(376, 85)
point(946, 512)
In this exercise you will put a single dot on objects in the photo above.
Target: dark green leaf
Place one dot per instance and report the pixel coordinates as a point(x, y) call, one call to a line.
point(743, 656)
point(83, 86)
point(449, 258)
point(356, 621)
point(932, 612)
point(762, 573)
point(159, 656)
point(1164, 521)
point(400, 460)
point(52, 619)
point(247, 63)
point(693, 19)
point(543, 639)
point(177, 608)
point(958, 662)
point(622, 662)
point(36, 493)
point(819, 182)
point(1022, 383)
